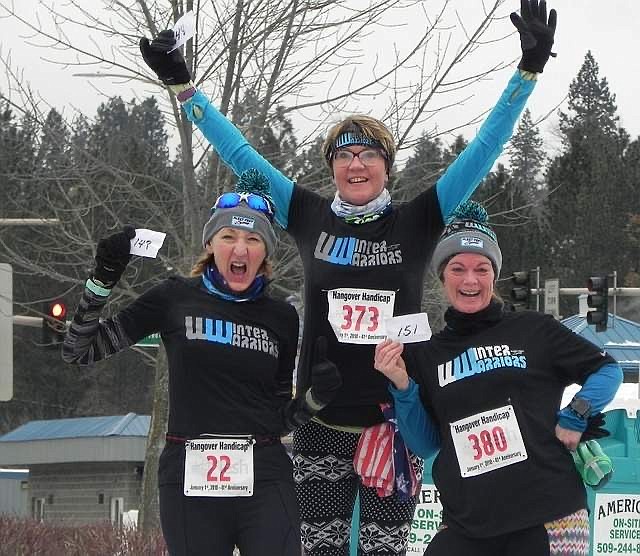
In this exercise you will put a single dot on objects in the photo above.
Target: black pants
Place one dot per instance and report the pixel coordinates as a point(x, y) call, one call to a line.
point(266, 523)
point(530, 542)
point(567, 536)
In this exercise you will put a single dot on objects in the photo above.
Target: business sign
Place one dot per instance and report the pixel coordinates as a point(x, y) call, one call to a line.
point(150, 341)
point(426, 519)
point(616, 524)
point(552, 297)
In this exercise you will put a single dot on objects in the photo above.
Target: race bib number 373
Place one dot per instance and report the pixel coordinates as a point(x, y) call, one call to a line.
point(488, 441)
point(358, 316)
point(219, 466)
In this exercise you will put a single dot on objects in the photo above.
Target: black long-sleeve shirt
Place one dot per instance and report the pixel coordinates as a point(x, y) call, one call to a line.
point(230, 364)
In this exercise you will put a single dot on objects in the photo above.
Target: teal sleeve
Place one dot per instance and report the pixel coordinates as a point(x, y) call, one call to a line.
point(236, 152)
point(472, 165)
point(599, 389)
point(418, 431)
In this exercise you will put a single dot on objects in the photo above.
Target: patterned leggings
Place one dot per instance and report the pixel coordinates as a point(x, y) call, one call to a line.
point(326, 488)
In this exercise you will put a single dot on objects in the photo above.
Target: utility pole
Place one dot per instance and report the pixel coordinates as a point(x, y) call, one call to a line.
point(6, 332)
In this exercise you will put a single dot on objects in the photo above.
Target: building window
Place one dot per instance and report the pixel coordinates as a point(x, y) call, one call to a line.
point(50, 499)
point(101, 498)
point(117, 509)
point(37, 508)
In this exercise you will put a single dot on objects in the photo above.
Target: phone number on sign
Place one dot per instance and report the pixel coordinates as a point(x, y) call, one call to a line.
point(618, 548)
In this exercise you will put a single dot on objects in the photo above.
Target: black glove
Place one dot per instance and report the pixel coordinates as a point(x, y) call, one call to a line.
point(112, 256)
point(170, 67)
point(595, 428)
point(325, 377)
point(536, 34)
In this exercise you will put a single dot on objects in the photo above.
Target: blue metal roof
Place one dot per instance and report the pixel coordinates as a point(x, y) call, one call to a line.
point(13, 474)
point(81, 427)
point(621, 339)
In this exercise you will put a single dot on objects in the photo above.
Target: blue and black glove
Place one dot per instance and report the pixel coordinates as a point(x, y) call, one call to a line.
point(112, 257)
point(325, 376)
point(595, 428)
point(536, 34)
point(170, 67)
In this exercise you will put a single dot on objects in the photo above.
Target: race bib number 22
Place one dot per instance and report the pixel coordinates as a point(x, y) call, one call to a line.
point(218, 466)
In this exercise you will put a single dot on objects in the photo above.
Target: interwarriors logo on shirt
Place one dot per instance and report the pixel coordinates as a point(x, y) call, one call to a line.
point(226, 332)
point(356, 252)
point(480, 360)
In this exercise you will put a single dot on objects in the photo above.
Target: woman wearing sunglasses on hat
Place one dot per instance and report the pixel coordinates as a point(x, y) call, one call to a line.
point(486, 393)
point(225, 478)
point(364, 260)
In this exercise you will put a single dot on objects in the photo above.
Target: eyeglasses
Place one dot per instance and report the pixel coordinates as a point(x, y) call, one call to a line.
point(253, 201)
point(368, 157)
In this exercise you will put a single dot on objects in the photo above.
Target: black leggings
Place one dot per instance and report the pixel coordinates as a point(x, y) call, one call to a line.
point(567, 536)
point(530, 542)
point(267, 523)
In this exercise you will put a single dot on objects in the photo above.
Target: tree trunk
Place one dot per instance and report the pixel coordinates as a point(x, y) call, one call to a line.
point(149, 517)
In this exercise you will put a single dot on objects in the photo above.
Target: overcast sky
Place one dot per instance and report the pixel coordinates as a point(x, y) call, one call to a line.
point(609, 29)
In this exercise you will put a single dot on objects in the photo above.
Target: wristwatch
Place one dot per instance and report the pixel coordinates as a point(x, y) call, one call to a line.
point(581, 407)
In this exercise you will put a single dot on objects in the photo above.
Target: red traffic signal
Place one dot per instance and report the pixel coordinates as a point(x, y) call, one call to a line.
point(54, 326)
point(57, 310)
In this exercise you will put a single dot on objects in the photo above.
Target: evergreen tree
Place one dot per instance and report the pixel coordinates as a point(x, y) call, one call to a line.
point(589, 197)
point(93, 177)
point(514, 198)
point(17, 160)
point(459, 144)
point(422, 169)
point(632, 228)
point(311, 170)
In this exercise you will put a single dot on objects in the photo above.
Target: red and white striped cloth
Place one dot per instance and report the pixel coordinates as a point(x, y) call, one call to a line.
point(374, 461)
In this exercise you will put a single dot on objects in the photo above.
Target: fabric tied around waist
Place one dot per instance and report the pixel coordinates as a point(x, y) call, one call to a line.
point(382, 459)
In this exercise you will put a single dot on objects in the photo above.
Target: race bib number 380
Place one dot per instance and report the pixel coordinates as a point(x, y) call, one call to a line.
point(358, 316)
point(488, 441)
point(219, 466)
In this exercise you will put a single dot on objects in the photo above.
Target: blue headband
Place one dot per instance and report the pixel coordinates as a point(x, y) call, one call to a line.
point(353, 138)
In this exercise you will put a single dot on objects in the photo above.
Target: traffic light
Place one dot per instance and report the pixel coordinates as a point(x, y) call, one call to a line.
point(598, 302)
point(520, 293)
point(54, 325)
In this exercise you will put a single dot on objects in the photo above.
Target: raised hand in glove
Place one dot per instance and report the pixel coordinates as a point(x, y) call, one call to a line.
point(536, 34)
point(170, 67)
point(595, 428)
point(112, 256)
point(325, 377)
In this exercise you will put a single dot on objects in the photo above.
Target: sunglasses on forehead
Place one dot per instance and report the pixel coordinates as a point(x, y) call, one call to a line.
point(253, 201)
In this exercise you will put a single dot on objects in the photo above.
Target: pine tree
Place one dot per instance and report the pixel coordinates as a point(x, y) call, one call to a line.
point(632, 227)
point(422, 169)
point(588, 193)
